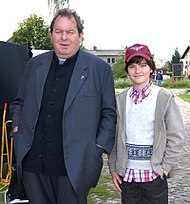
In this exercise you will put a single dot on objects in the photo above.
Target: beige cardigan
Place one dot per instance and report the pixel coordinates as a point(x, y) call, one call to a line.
point(168, 136)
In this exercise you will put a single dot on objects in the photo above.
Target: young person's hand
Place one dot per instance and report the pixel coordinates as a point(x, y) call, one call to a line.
point(116, 180)
point(166, 172)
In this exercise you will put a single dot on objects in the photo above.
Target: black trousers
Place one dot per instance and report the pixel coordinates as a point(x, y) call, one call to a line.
point(44, 189)
point(155, 192)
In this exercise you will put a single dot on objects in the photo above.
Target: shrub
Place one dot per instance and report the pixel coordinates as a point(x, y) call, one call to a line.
point(180, 83)
point(122, 83)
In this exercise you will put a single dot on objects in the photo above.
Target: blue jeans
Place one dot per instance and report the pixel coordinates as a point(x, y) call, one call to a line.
point(159, 83)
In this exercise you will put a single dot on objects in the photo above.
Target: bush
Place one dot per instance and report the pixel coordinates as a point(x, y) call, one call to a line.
point(169, 84)
point(122, 83)
point(178, 84)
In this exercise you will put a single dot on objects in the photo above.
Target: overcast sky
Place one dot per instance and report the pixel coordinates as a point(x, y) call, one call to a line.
point(163, 25)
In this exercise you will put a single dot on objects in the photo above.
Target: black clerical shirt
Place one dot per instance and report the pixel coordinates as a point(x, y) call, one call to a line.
point(47, 153)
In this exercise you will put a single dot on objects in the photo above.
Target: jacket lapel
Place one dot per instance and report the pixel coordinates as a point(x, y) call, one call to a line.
point(41, 75)
point(79, 76)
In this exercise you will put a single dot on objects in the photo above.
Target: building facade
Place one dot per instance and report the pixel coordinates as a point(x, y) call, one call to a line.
point(186, 62)
point(109, 56)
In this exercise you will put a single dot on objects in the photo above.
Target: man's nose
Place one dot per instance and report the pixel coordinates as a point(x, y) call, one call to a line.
point(64, 35)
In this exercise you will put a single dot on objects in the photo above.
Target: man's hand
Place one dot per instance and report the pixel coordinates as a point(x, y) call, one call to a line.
point(116, 180)
point(15, 129)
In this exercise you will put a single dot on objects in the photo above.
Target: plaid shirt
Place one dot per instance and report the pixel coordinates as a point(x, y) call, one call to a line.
point(134, 175)
point(138, 96)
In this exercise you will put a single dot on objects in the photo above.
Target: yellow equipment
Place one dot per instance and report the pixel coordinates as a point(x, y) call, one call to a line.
point(6, 154)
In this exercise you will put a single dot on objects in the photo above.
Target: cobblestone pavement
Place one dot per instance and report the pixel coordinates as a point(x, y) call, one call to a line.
point(179, 187)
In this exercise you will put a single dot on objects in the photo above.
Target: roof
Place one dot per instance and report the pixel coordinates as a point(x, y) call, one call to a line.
point(186, 51)
point(106, 52)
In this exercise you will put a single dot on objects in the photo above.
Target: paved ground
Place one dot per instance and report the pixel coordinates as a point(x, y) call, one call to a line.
point(179, 187)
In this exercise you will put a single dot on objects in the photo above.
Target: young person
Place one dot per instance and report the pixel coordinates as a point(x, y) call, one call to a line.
point(149, 134)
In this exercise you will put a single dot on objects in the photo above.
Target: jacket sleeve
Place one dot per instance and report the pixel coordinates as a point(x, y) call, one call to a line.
point(174, 136)
point(106, 131)
point(17, 104)
point(112, 157)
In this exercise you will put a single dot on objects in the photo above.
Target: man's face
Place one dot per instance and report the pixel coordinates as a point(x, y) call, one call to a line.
point(65, 37)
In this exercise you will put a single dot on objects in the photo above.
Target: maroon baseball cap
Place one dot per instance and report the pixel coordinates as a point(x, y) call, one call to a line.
point(137, 50)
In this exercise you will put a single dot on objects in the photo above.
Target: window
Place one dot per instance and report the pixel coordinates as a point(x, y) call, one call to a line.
point(113, 60)
point(108, 60)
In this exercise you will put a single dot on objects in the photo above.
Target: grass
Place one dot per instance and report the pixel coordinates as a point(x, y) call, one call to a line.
point(3, 188)
point(179, 84)
point(104, 191)
point(185, 97)
point(1, 198)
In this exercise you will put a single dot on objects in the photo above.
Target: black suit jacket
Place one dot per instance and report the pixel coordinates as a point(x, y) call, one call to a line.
point(89, 116)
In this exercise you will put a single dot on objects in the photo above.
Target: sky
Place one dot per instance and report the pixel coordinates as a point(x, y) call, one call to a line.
point(163, 25)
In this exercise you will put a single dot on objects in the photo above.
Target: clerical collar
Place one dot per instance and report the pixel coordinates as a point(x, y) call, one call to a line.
point(61, 61)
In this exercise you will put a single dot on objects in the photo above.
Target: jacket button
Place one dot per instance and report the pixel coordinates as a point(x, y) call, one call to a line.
point(40, 156)
point(43, 142)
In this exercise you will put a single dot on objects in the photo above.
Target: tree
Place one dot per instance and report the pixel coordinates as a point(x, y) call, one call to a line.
point(176, 57)
point(33, 32)
point(54, 5)
point(168, 66)
point(119, 69)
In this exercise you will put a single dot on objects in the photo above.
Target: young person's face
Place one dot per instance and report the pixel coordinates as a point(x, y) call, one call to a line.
point(139, 74)
point(65, 37)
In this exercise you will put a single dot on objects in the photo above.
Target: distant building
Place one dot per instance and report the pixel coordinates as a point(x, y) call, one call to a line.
point(109, 56)
point(37, 52)
point(186, 62)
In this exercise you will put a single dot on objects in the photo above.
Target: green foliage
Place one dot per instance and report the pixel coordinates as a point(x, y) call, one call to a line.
point(170, 73)
point(179, 84)
point(168, 66)
point(34, 33)
point(119, 69)
point(170, 84)
point(185, 97)
point(121, 83)
point(103, 191)
point(176, 57)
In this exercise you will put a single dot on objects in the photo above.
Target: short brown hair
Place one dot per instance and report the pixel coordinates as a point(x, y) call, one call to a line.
point(69, 13)
point(138, 60)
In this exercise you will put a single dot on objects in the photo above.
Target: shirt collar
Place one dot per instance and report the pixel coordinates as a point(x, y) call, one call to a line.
point(139, 95)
